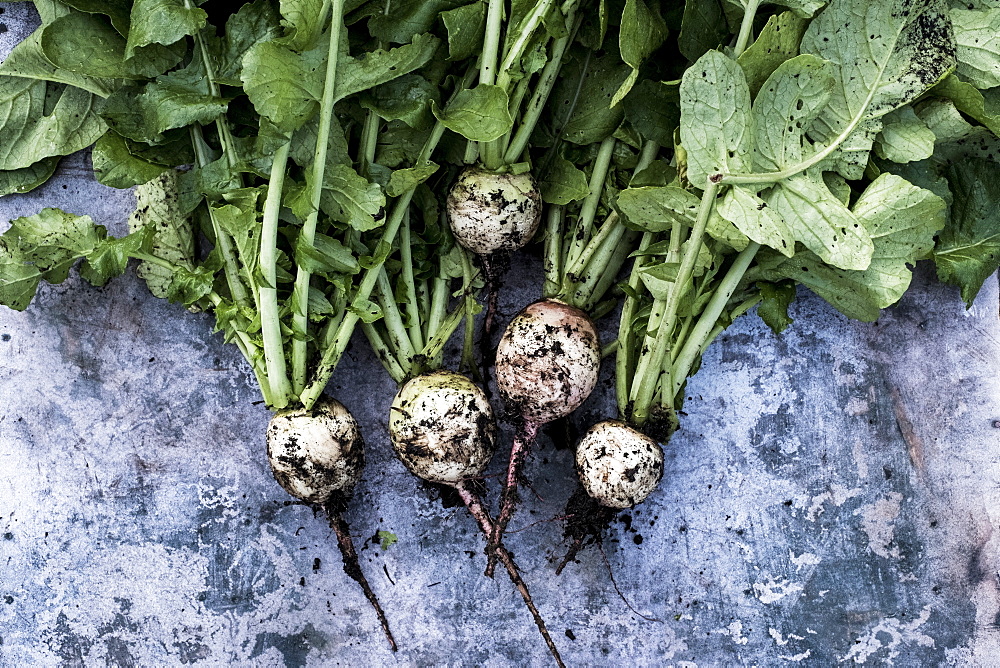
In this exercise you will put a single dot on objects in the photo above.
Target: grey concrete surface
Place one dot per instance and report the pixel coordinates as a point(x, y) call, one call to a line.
point(832, 497)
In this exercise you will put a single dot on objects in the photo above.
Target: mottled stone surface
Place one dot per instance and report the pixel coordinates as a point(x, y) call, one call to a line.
point(832, 496)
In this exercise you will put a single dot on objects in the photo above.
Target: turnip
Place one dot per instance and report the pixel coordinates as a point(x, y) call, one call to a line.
point(618, 467)
point(495, 206)
point(493, 211)
point(442, 427)
point(317, 456)
point(546, 366)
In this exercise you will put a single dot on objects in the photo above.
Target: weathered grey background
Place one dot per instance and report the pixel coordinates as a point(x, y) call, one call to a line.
point(833, 496)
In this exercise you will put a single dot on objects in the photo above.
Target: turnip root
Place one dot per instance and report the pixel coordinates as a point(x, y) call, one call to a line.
point(547, 365)
point(317, 456)
point(492, 214)
point(443, 430)
point(618, 467)
point(442, 427)
point(493, 211)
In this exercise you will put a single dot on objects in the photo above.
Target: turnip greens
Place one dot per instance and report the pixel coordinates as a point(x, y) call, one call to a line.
point(292, 162)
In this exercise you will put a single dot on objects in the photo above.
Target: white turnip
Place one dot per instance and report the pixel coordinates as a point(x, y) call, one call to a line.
point(546, 366)
point(492, 214)
point(317, 456)
point(493, 211)
point(443, 429)
point(618, 466)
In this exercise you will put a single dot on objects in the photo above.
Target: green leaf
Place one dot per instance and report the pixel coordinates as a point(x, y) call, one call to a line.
point(581, 101)
point(715, 118)
point(27, 60)
point(254, 22)
point(387, 539)
point(788, 102)
point(377, 67)
point(240, 221)
point(27, 178)
point(111, 256)
point(969, 100)
point(821, 222)
point(653, 109)
point(904, 137)
point(703, 27)
point(157, 208)
point(286, 86)
point(351, 199)
point(478, 114)
point(283, 85)
point(777, 42)
point(642, 32)
point(117, 10)
point(773, 307)
point(162, 22)
point(186, 286)
point(407, 99)
point(325, 255)
point(977, 34)
point(18, 280)
point(754, 218)
point(563, 183)
point(655, 209)
point(403, 180)
point(366, 310)
point(42, 247)
point(407, 18)
point(115, 166)
point(886, 55)
point(465, 26)
point(29, 134)
point(902, 220)
point(802, 8)
point(86, 44)
point(968, 250)
point(300, 19)
point(179, 99)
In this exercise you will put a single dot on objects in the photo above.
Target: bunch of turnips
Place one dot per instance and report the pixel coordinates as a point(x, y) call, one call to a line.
point(372, 168)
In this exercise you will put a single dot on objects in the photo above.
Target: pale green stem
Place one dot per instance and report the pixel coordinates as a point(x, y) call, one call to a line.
point(588, 211)
point(593, 290)
point(710, 316)
point(435, 345)
point(546, 82)
point(648, 370)
point(553, 250)
point(307, 235)
point(490, 151)
point(331, 355)
point(624, 362)
point(412, 306)
point(230, 266)
point(270, 321)
point(393, 321)
point(468, 346)
point(746, 28)
point(384, 352)
point(516, 50)
point(439, 305)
